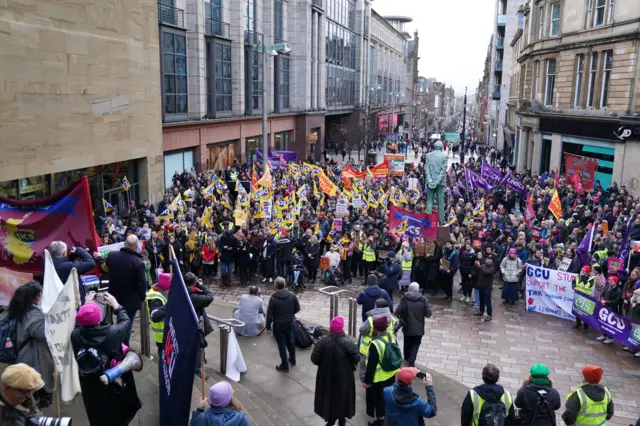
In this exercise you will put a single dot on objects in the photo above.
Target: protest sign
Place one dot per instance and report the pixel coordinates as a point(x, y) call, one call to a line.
point(357, 201)
point(549, 292)
point(342, 206)
point(9, 282)
point(267, 207)
point(564, 265)
point(614, 264)
point(324, 262)
point(396, 168)
point(104, 251)
point(337, 225)
point(536, 233)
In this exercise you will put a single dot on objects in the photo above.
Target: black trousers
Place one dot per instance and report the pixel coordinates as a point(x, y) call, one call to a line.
point(447, 284)
point(411, 346)
point(374, 398)
point(485, 300)
point(284, 337)
point(346, 268)
point(467, 283)
point(357, 266)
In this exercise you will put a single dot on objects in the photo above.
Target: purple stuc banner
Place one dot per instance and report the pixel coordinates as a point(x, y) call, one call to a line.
point(474, 181)
point(513, 183)
point(490, 173)
point(602, 317)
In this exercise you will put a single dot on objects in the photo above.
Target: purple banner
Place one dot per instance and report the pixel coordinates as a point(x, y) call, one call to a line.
point(514, 184)
point(626, 243)
point(602, 317)
point(474, 181)
point(288, 156)
point(490, 173)
point(582, 253)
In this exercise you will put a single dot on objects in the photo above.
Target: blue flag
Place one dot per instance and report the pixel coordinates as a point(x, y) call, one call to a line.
point(178, 361)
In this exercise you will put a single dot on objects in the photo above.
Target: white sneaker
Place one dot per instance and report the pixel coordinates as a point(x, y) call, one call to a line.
point(264, 280)
point(462, 298)
point(270, 280)
point(625, 348)
point(601, 338)
point(608, 341)
point(637, 354)
point(467, 300)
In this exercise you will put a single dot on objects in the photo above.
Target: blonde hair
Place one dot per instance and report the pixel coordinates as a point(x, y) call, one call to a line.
point(313, 239)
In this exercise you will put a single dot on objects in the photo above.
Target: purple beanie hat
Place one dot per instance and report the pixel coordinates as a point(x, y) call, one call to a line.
point(220, 394)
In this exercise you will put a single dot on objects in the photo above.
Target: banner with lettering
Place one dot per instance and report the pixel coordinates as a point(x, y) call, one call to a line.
point(412, 224)
point(513, 183)
point(549, 292)
point(584, 167)
point(475, 181)
point(490, 173)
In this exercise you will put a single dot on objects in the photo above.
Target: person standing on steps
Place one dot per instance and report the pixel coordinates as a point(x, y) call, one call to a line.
point(367, 298)
point(281, 312)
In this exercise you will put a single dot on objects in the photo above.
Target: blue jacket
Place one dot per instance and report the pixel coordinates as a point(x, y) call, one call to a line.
point(219, 417)
point(368, 299)
point(64, 265)
point(393, 271)
point(405, 408)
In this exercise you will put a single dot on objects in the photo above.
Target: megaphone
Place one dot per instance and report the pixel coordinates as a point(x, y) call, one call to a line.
point(131, 362)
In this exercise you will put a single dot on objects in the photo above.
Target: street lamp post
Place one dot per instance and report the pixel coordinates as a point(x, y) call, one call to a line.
point(464, 122)
point(273, 52)
point(372, 88)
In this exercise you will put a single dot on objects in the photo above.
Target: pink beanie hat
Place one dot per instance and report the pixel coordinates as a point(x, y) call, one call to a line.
point(89, 315)
point(337, 325)
point(164, 281)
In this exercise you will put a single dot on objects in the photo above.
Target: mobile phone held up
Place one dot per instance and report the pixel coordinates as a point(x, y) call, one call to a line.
point(421, 375)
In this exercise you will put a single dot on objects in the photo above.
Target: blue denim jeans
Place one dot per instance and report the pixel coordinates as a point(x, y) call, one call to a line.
point(476, 295)
point(226, 268)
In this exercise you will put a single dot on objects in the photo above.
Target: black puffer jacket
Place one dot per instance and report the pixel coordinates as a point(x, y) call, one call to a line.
point(466, 261)
point(106, 337)
point(412, 311)
point(201, 297)
point(527, 400)
point(283, 307)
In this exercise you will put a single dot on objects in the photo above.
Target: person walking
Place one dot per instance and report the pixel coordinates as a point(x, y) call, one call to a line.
point(591, 403)
point(367, 298)
point(404, 407)
point(281, 312)
point(156, 305)
point(510, 267)
point(484, 285)
point(537, 400)
point(467, 260)
point(335, 393)
point(220, 408)
point(366, 330)
point(376, 378)
point(18, 384)
point(31, 343)
point(488, 401)
point(411, 312)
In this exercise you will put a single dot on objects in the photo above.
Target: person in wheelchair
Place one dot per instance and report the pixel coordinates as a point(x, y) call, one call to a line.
point(334, 273)
point(297, 271)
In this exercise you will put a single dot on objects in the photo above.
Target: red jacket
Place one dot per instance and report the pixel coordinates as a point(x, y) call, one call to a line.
point(208, 255)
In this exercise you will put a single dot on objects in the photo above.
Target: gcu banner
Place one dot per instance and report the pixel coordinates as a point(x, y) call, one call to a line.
point(549, 292)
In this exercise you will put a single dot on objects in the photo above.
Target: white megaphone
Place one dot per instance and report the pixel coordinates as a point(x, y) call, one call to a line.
point(131, 362)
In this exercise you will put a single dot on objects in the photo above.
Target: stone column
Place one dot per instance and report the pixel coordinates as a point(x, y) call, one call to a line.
point(523, 148)
point(322, 66)
point(314, 59)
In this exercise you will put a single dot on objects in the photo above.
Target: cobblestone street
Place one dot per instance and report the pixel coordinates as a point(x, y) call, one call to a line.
point(459, 345)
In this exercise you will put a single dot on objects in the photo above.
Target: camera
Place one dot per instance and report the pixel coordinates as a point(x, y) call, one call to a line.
point(37, 420)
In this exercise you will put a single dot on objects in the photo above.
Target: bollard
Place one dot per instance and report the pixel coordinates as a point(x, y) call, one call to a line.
point(224, 343)
point(145, 347)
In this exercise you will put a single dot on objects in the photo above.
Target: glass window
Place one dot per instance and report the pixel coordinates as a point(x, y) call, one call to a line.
point(250, 24)
point(606, 78)
point(589, 12)
point(551, 80)
point(176, 162)
point(610, 12)
point(282, 141)
point(33, 188)
point(277, 21)
point(256, 80)
point(221, 155)
point(554, 28)
point(577, 98)
point(252, 145)
point(593, 71)
point(541, 22)
point(284, 82)
point(598, 16)
point(536, 80)
point(174, 72)
point(223, 76)
point(8, 189)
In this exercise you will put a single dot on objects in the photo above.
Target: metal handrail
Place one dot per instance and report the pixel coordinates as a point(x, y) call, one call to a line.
point(215, 27)
point(335, 294)
point(225, 325)
point(170, 15)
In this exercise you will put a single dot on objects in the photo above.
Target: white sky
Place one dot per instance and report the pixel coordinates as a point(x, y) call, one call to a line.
point(454, 35)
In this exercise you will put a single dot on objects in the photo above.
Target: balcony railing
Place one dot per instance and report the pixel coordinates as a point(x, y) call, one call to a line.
point(215, 27)
point(252, 38)
point(317, 3)
point(365, 31)
point(170, 15)
point(499, 66)
point(502, 20)
point(500, 43)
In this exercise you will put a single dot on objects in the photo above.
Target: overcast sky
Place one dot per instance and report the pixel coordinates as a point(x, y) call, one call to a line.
point(454, 35)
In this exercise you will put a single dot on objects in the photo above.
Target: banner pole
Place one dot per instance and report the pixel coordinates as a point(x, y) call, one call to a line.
point(202, 363)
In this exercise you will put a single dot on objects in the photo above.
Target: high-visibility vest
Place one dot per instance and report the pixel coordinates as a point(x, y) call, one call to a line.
point(381, 345)
point(368, 255)
point(592, 412)
point(478, 402)
point(585, 286)
point(406, 264)
point(359, 247)
point(365, 341)
point(157, 328)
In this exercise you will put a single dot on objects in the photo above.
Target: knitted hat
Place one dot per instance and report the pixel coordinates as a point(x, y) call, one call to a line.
point(89, 315)
point(512, 251)
point(406, 375)
point(592, 374)
point(220, 394)
point(539, 374)
point(586, 269)
point(22, 377)
point(391, 255)
point(614, 279)
point(337, 325)
point(380, 323)
point(372, 280)
point(164, 281)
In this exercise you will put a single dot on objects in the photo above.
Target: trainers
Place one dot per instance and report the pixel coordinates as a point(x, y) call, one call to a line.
point(467, 300)
point(608, 341)
point(270, 280)
point(283, 368)
point(292, 362)
point(462, 298)
point(478, 314)
point(625, 348)
point(601, 338)
point(487, 318)
point(637, 354)
point(264, 280)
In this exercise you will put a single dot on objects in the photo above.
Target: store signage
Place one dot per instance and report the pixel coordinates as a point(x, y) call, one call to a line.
point(625, 132)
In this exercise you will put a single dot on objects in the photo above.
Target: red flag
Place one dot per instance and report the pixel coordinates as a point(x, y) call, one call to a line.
point(577, 182)
point(555, 206)
point(529, 213)
point(27, 227)
point(412, 224)
point(284, 163)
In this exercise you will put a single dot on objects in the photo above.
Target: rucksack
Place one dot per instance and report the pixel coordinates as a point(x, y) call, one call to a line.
point(493, 413)
point(91, 362)
point(392, 357)
point(542, 415)
point(301, 336)
point(8, 340)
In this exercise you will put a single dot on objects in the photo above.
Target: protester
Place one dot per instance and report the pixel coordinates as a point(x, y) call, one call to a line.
point(537, 400)
point(220, 408)
point(283, 306)
point(250, 311)
point(200, 298)
point(404, 407)
point(510, 268)
point(366, 330)
point(411, 312)
point(591, 403)
point(336, 357)
point(18, 384)
point(97, 347)
point(156, 307)
point(484, 285)
point(65, 261)
point(585, 284)
point(31, 342)
point(488, 400)
point(367, 298)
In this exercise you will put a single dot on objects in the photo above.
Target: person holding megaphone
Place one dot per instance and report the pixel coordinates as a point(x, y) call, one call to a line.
point(98, 346)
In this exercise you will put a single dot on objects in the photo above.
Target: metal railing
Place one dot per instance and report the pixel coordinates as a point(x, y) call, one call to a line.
point(335, 294)
point(225, 325)
point(170, 15)
point(317, 3)
point(215, 27)
point(498, 65)
point(252, 38)
point(365, 31)
point(500, 42)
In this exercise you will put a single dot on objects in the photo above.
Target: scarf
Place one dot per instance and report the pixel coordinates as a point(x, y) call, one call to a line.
point(540, 381)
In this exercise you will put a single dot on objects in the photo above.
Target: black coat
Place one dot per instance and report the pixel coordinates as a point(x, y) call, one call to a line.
point(201, 297)
point(64, 265)
point(412, 311)
point(312, 255)
point(527, 400)
point(112, 404)
point(226, 254)
point(127, 278)
point(269, 264)
point(433, 265)
point(485, 276)
point(283, 307)
point(335, 395)
point(466, 261)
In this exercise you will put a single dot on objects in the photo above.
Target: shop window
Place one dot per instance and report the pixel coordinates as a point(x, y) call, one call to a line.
point(9, 189)
point(282, 141)
point(33, 188)
point(221, 155)
point(252, 145)
point(176, 162)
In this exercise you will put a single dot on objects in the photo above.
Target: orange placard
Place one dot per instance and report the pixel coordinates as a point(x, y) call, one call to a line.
point(324, 263)
point(605, 227)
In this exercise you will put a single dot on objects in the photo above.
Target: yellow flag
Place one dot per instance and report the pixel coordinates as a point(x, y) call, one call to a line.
point(207, 217)
point(371, 201)
point(177, 204)
point(452, 218)
point(165, 214)
point(266, 180)
point(315, 189)
point(316, 230)
point(479, 208)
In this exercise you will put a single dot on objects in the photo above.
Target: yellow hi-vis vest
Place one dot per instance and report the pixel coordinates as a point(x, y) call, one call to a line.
point(406, 264)
point(157, 328)
point(365, 341)
point(592, 413)
point(380, 344)
point(368, 255)
point(585, 286)
point(478, 402)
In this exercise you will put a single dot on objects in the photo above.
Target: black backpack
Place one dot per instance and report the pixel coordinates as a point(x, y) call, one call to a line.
point(91, 362)
point(301, 336)
point(493, 413)
point(8, 340)
point(542, 414)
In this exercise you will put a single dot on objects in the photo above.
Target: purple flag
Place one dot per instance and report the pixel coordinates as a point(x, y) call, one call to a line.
point(476, 181)
point(490, 173)
point(626, 242)
point(514, 184)
point(584, 248)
